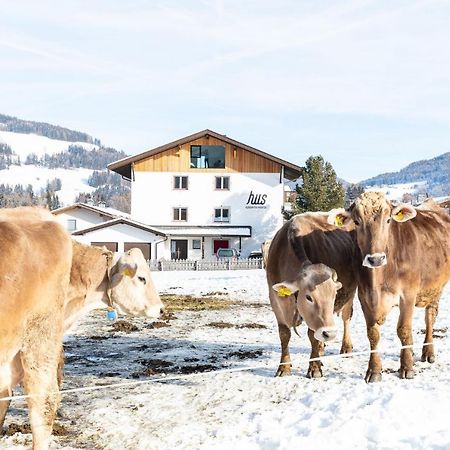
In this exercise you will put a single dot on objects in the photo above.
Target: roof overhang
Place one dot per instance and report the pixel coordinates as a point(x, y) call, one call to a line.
point(119, 221)
point(207, 231)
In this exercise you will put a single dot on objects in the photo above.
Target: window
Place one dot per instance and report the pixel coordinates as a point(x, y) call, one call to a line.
point(196, 244)
point(223, 183)
point(180, 182)
point(207, 156)
point(71, 225)
point(221, 215)
point(180, 214)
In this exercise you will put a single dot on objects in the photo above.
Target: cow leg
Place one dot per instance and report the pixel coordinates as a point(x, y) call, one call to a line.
point(40, 356)
point(373, 373)
point(4, 404)
point(431, 313)
point(285, 362)
point(347, 312)
point(404, 332)
point(317, 350)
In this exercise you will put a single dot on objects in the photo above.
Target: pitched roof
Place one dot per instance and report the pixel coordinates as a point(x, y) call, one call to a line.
point(123, 166)
point(103, 211)
point(118, 221)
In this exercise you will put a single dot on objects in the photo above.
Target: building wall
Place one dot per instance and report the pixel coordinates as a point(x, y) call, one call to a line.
point(121, 233)
point(153, 200)
point(83, 217)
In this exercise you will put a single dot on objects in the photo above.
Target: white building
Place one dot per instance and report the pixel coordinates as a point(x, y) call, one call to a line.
point(207, 191)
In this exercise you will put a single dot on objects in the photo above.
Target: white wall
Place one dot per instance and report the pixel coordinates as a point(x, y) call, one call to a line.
point(121, 233)
point(84, 218)
point(153, 200)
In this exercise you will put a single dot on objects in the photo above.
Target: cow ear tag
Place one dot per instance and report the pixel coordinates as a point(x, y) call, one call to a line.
point(339, 221)
point(128, 272)
point(111, 314)
point(284, 291)
point(399, 216)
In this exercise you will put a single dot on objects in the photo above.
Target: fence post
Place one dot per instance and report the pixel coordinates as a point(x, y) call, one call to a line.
point(161, 267)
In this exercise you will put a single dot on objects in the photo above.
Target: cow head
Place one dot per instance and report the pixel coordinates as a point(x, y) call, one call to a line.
point(371, 215)
point(132, 289)
point(316, 286)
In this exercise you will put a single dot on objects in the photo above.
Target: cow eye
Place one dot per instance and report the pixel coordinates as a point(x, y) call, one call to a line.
point(308, 297)
point(388, 221)
point(356, 222)
point(142, 280)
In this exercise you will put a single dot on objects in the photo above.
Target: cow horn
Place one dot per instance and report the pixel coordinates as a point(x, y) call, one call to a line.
point(334, 276)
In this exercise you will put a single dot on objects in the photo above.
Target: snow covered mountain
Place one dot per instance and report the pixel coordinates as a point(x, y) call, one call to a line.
point(32, 164)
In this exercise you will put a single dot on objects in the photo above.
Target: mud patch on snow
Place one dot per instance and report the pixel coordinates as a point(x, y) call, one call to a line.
point(230, 325)
point(13, 428)
point(124, 326)
point(175, 303)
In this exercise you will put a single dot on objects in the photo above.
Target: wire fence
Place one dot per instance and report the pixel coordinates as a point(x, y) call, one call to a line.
point(203, 264)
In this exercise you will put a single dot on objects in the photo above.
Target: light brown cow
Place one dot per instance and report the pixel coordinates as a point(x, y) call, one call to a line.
point(98, 278)
point(265, 246)
point(406, 262)
point(305, 261)
point(35, 261)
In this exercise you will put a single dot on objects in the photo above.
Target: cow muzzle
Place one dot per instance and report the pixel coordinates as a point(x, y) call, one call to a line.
point(375, 260)
point(325, 334)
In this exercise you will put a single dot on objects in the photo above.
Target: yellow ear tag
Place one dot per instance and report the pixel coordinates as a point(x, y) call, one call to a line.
point(284, 291)
point(400, 216)
point(128, 272)
point(339, 221)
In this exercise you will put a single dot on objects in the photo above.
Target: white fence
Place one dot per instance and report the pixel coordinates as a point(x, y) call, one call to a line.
point(217, 264)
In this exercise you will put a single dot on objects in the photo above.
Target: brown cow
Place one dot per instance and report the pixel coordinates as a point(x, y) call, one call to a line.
point(406, 263)
point(35, 261)
point(308, 256)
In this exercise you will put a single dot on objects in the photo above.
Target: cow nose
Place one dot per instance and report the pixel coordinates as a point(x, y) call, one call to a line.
point(376, 261)
point(329, 335)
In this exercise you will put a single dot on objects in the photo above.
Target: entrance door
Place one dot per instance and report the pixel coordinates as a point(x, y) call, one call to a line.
point(220, 243)
point(178, 248)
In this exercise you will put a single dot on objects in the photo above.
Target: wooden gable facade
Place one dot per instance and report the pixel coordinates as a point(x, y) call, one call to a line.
point(178, 159)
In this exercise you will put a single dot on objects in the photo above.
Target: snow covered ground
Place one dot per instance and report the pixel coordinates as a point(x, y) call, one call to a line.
point(23, 144)
point(248, 409)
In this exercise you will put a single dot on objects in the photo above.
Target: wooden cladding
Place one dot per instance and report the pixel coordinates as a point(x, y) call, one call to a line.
point(178, 159)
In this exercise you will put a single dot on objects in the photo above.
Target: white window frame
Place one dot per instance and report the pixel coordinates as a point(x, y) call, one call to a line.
point(178, 209)
point(180, 177)
point(221, 188)
point(221, 219)
point(71, 221)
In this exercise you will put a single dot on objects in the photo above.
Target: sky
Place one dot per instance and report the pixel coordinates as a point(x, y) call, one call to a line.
point(365, 84)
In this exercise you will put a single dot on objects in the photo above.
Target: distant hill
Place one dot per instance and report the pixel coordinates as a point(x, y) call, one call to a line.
point(435, 172)
point(37, 169)
point(10, 123)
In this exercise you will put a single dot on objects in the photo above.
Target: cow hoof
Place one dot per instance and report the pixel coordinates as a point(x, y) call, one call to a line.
point(372, 377)
point(407, 374)
point(428, 358)
point(346, 349)
point(283, 372)
point(314, 372)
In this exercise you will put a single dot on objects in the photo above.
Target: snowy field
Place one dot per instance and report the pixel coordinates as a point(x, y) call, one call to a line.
point(202, 404)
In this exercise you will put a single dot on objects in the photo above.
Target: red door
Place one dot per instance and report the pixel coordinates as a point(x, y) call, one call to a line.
point(220, 243)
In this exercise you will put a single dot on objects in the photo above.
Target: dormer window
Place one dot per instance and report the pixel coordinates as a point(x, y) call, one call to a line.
point(207, 157)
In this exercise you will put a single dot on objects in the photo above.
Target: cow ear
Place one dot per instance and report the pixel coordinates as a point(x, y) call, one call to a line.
point(339, 218)
point(338, 285)
point(285, 288)
point(403, 212)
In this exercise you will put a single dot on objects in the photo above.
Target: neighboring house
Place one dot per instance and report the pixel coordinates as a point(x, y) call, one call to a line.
point(205, 192)
point(110, 228)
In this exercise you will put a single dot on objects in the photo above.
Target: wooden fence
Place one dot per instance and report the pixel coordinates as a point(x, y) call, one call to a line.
point(203, 264)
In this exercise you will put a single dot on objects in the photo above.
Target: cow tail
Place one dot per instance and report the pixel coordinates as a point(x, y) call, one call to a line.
point(296, 243)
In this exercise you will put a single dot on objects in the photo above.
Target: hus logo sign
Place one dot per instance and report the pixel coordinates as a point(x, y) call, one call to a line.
point(256, 200)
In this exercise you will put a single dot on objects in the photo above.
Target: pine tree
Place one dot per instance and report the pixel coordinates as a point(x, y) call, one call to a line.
point(353, 191)
point(320, 190)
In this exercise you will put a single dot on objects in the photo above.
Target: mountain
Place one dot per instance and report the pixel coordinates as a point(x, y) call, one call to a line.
point(434, 172)
point(36, 168)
